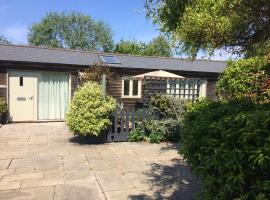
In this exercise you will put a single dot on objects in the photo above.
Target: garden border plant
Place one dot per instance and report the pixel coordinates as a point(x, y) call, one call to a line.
point(89, 111)
point(3, 109)
point(164, 122)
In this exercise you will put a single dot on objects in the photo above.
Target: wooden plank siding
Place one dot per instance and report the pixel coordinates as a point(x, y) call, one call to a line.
point(3, 83)
point(114, 87)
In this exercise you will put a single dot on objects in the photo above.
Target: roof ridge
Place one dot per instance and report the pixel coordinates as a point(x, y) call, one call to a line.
point(105, 53)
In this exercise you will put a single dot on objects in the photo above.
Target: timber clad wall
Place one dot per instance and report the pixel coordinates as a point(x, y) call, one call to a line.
point(114, 87)
point(211, 89)
point(74, 82)
point(3, 83)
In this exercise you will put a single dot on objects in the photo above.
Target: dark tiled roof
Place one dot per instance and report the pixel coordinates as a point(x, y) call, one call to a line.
point(21, 53)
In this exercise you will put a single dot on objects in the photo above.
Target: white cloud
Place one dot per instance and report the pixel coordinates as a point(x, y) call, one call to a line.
point(17, 33)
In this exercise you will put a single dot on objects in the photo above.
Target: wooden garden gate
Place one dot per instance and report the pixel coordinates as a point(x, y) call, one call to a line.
point(123, 122)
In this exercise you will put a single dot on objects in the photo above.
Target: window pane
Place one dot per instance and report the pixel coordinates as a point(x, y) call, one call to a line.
point(135, 87)
point(21, 81)
point(126, 87)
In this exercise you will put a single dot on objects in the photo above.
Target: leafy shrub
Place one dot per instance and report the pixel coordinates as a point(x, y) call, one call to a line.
point(156, 131)
point(167, 106)
point(89, 111)
point(163, 130)
point(136, 136)
point(3, 106)
point(227, 144)
point(246, 78)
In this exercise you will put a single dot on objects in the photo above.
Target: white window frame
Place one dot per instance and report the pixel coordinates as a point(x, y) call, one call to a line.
point(131, 87)
point(179, 91)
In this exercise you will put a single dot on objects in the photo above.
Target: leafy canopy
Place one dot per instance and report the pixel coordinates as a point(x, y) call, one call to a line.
point(241, 26)
point(159, 46)
point(72, 31)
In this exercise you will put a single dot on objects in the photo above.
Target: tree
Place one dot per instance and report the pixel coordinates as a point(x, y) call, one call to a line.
point(132, 47)
point(239, 26)
point(159, 46)
point(72, 31)
point(4, 40)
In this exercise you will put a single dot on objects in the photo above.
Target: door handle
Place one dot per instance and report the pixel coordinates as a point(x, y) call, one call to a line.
point(31, 98)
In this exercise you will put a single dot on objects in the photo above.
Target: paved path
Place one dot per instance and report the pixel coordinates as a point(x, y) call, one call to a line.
point(38, 161)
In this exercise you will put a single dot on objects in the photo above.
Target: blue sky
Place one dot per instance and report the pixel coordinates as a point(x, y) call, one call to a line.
point(126, 17)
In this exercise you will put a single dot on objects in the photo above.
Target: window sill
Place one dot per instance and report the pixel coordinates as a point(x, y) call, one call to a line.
point(131, 97)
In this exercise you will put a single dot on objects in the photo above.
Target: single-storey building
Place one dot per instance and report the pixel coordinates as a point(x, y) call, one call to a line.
point(38, 83)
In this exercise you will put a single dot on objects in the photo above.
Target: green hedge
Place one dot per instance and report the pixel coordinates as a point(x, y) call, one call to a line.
point(89, 112)
point(228, 146)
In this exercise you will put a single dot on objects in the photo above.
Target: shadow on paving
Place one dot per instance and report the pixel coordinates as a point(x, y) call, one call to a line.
point(171, 180)
point(88, 140)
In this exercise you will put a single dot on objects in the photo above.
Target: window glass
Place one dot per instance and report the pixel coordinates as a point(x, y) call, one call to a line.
point(135, 87)
point(126, 87)
point(21, 81)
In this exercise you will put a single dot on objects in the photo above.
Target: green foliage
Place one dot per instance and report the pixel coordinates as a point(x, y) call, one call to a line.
point(4, 40)
point(246, 78)
point(72, 31)
point(156, 131)
point(227, 144)
point(95, 72)
point(130, 47)
point(159, 46)
point(162, 130)
point(167, 106)
point(3, 106)
point(89, 111)
point(164, 121)
point(136, 136)
point(240, 26)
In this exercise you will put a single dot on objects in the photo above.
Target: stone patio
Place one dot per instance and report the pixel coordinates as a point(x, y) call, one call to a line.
point(38, 161)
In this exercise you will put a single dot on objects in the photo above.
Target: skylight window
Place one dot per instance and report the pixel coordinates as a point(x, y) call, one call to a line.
point(109, 59)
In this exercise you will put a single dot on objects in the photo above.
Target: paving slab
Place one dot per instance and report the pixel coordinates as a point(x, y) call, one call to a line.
point(41, 161)
point(40, 193)
point(82, 190)
point(4, 163)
